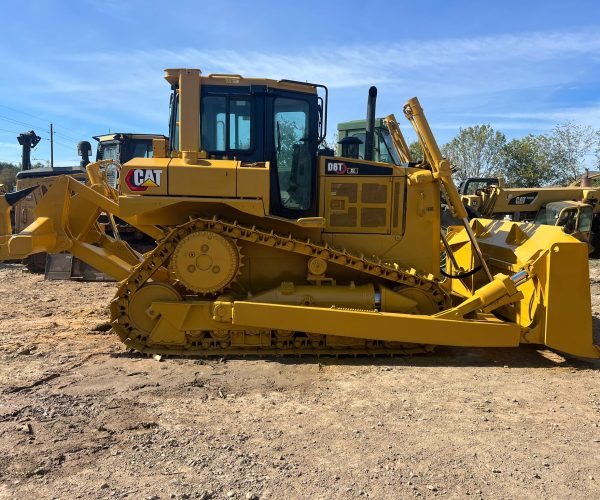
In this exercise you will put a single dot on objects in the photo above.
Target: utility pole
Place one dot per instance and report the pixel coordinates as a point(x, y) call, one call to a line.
point(51, 147)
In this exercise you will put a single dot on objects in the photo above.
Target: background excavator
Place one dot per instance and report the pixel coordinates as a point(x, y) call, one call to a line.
point(267, 244)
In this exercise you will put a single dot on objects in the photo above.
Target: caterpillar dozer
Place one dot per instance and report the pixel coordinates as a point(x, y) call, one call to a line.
point(266, 244)
point(573, 208)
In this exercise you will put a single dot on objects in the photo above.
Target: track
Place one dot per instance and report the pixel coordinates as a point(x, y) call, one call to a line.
point(217, 343)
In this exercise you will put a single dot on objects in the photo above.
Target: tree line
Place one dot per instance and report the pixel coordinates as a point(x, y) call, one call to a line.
point(8, 173)
point(556, 158)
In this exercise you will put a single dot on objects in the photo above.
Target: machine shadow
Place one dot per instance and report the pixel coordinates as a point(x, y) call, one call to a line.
point(525, 356)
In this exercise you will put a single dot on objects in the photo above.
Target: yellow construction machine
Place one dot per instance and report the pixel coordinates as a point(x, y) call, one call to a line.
point(266, 244)
point(573, 208)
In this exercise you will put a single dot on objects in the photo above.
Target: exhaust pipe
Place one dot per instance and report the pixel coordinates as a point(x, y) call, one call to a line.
point(27, 140)
point(370, 135)
point(585, 180)
point(84, 149)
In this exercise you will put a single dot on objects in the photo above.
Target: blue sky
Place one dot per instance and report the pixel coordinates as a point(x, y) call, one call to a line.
point(94, 65)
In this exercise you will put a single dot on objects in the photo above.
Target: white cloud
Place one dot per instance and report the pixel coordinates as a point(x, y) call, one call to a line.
point(458, 79)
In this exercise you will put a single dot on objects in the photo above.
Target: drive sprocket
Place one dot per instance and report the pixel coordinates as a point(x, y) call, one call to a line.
point(205, 262)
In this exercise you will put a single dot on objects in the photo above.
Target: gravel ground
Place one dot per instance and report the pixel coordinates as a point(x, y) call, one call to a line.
point(82, 418)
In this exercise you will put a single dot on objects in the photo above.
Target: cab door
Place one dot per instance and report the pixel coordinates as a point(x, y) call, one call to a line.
point(292, 141)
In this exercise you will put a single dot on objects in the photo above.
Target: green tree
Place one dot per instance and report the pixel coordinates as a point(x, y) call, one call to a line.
point(288, 134)
point(8, 172)
point(416, 152)
point(526, 162)
point(475, 151)
point(331, 143)
point(570, 146)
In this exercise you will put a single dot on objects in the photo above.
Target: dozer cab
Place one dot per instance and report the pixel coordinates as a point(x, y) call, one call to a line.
point(574, 217)
point(122, 147)
point(266, 244)
point(354, 132)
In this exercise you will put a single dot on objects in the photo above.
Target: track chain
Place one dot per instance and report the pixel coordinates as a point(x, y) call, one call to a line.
point(158, 257)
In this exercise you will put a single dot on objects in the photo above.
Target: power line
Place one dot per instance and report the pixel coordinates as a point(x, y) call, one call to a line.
point(60, 143)
point(66, 136)
point(43, 133)
point(16, 122)
point(36, 117)
point(29, 125)
point(9, 131)
point(19, 111)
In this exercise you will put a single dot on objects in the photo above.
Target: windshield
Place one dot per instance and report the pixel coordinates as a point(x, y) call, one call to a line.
point(585, 219)
point(568, 220)
point(549, 214)
point(387, 152)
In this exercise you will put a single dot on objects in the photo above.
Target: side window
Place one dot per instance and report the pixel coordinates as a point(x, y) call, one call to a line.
point(240, 113)
point(585, 219)
point(109, 152)
point(294, 162)
point(141, 149)
point(217, 135)
point(213, 123)
point(568, 220)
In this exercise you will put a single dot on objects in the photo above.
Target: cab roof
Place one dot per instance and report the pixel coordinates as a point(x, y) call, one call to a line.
point(560, 205)
point(119, 136)
point(171, 75)
point(359, 124)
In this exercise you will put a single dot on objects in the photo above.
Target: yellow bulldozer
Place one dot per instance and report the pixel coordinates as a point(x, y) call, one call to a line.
point(574, 208)
point(267, 244)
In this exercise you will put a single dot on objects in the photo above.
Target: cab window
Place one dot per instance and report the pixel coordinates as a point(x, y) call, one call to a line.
point(139, 149)
point(293, 158)
point(239, 124)
point(585, 219)
point(214, 109)
point(568, 220)
point(226, 124)
point(109, 152)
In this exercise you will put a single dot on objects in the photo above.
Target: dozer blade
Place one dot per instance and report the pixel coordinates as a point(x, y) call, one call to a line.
point(556, 306)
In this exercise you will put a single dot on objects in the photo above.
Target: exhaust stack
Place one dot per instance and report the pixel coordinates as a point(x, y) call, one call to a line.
point(28, 141)
point(84, 149)
point(370, 135)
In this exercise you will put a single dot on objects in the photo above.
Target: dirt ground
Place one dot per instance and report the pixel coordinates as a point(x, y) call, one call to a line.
point(82, 418)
